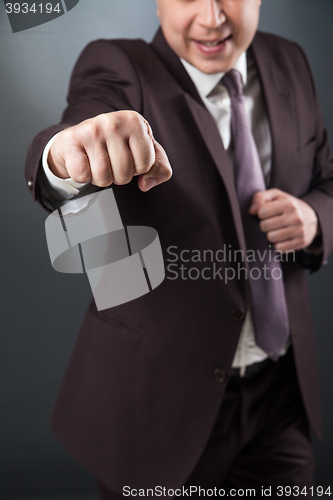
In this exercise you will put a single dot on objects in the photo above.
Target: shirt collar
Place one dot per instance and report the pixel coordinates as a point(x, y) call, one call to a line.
point(206, 83)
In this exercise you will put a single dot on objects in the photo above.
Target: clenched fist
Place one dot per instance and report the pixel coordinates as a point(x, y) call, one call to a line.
point(289, 223)
point(110, 148)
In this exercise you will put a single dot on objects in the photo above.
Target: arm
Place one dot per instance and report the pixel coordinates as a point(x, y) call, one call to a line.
point(320, 194)
point(103, 82)
point(303, 223)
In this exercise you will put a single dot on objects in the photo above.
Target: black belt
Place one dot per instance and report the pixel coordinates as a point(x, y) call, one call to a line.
point(250, 370)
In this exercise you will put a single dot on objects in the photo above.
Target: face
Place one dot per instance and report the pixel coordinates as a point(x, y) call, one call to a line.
point(209, 34)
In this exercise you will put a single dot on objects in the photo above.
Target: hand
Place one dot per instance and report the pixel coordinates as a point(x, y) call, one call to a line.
point(110, 148)
point(289, 223)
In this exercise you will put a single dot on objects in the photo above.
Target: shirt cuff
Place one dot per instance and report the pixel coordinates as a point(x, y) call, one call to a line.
point(65, 187)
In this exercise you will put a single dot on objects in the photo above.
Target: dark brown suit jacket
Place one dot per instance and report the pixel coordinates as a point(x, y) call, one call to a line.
point(139, 398)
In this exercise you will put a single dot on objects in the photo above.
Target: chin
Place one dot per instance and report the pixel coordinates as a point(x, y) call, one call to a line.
point(212, 67)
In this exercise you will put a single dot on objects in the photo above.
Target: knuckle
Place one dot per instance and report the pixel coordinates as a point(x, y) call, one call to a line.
point(114, 127)
point(270, 237)
point(261, 213)
point(82, 178)
point(138, 124)
point(103, 177)
point(111, 123)
point(68, 137)
point(92, 135)
point(298, 219)
point(134, 118)
point(256, 197)
point(288, 205)
point(303, 233)
point(124, 122)
point(102, 182)
point(101, 158)
point(79, 175)
point(294, 220)
point(142, 167)
point(102, 123)
point(144, 158)
point(262, 226)
point(123, 174)
point(89, 131)
point(122, 179)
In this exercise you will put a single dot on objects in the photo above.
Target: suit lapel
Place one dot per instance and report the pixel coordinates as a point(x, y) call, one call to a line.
point(212, 138)
point(279, 103)
point(174, 65)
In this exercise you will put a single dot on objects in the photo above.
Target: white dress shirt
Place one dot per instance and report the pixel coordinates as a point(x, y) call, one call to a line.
point(216, 99)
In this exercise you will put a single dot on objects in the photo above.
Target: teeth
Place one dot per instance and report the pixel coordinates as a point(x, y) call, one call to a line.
point(210, 44)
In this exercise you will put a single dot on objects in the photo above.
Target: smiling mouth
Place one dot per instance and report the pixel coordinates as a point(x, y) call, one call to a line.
point(213, 43)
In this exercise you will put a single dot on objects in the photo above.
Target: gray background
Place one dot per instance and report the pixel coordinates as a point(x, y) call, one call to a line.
point(40, 309)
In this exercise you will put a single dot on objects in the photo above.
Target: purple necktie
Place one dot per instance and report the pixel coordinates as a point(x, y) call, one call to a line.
point(269, 309)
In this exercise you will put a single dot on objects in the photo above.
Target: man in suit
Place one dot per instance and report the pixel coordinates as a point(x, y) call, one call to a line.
point(179, 388)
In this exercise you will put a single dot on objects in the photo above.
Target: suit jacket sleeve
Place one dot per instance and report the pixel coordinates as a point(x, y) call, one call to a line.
point(103, 80)
point(320, 194)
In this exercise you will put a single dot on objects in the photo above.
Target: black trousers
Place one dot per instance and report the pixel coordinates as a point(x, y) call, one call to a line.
point(260, 444)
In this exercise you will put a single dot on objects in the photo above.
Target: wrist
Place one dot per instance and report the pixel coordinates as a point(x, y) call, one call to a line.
point(316, 245)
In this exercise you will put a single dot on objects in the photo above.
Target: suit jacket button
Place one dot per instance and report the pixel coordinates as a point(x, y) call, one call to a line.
point(238, 314)
point(30, 183)
point(220, 375)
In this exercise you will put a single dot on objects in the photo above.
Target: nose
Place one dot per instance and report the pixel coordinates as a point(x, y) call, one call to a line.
point(211, 14)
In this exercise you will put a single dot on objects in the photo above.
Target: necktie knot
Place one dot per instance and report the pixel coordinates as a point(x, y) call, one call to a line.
point(233, 83)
